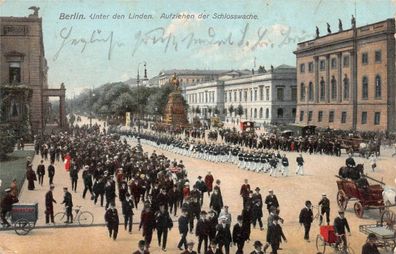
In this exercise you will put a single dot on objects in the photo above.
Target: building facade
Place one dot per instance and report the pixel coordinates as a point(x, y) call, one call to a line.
point(265, 98)
point(346, 80)
point(205, 100)
point(189, 77)
point(23, 65)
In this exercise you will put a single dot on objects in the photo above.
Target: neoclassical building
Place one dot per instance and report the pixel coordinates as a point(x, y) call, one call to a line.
point(23, 71)
point(346, 79)
point(265, 98)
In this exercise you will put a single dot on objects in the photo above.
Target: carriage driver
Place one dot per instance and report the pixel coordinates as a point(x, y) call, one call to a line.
point(350, 162)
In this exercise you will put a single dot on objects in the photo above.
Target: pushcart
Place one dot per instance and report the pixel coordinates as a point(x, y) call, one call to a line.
point(327, 237)
point(24, 217)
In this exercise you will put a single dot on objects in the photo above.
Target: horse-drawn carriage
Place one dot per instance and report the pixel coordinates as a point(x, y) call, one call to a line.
point(354, 186)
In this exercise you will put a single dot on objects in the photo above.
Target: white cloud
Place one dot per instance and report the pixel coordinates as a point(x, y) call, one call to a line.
point(279, 28)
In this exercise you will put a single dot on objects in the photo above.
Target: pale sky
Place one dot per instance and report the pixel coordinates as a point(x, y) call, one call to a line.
point(182, 44)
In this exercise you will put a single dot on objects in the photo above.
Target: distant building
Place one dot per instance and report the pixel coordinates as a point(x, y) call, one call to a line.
point(23, 66)
point(265, 98)
point(190, 77)
point(346, 80)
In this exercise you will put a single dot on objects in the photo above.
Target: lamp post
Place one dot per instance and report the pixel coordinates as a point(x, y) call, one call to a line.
point(90, 111)
point(138, 100)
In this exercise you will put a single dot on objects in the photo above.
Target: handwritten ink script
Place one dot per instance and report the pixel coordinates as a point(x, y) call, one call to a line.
point(246, 37)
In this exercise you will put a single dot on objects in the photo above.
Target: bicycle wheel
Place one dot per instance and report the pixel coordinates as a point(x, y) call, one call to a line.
point(60, 218)
point(85, 218)
point(22, 227)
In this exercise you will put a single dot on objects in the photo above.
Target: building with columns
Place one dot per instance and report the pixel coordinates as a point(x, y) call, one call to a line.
point(265, 98)
point(346, 80)
point(23, 67)
point(189, 77)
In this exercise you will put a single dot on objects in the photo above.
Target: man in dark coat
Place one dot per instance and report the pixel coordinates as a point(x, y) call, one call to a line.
point(201, 186)
point(142, 248)
point(173, 198)
point(51, 173)
point(239, 235)
point(163, 223)
point(127, 211)
point(74, 176)
point(190, 247)
point(216, 201)
point(275, 235)
point(324, 209)
point(370, 246)
point(202, 232)
point(271, 200)
point(183, 229)
point(223, 237)
point(112, 221)
point(340, 224)
point(87, 177)
point(49, 206)
point(209, 182)
point(257, 208)
point(306, 218)
point(244, 192)
point(6, 205)
point(147, 221)
point(68, 202)
point(41, 172)
point(99, 190)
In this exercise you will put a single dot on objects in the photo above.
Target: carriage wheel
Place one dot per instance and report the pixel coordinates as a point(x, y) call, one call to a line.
point(22, 227)
point(359, 210)
point(320, 244)
point(388, 219)
point(60, 218)
point(342, 200)
point(85, 218)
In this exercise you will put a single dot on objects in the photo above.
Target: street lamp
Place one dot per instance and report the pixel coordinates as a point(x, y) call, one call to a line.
point(90, 111)
point(138, 94)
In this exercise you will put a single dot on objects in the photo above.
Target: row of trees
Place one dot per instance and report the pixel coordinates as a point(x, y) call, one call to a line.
point(115, 99)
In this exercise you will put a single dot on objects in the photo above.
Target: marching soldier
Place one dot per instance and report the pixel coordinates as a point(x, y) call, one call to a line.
point(300, 165)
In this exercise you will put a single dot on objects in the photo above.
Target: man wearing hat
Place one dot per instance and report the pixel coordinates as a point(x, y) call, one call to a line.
point(183, 229)
point(142, 248)
point(112, 221)
point(306, 218)
point(239, 236)
point(6, 205)
point(340, 223)
point(244, 192)
point(51, 172)
point(271, 200)
point(127, 211)
point(370, 246)
point(257, 208)
point(49, 207)
point(275, 235)
point(202, 232)
point(258, 246)
point(68, 202)
point(87, 177)
point(189, 250)
point(147, 221)
point(223, 236)
point(163, 223)
point(324, 208)
point(201, 186)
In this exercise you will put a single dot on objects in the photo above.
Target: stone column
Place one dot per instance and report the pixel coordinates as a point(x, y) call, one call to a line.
point(339, 79)
point(62, 112)
point(327, 79)
point(316, 95)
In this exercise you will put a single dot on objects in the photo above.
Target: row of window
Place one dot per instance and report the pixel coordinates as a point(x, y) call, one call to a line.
point(377, 117)
point(236, 96)
point(345, 62)
point(258, 114)
point(202, 97)
point(346, 88)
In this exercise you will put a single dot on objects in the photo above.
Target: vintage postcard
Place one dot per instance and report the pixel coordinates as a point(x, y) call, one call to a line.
point(228, 126)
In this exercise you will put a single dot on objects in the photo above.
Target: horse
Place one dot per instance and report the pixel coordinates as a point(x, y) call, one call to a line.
point(389, 195)
point(352, 173)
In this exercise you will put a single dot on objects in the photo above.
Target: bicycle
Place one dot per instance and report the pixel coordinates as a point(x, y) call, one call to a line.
point(317, 215)
point(84, 218)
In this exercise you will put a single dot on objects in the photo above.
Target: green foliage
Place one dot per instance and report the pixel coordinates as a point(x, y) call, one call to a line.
point(72, 119)
point(239, 110)
point(231, 109)
point(7, 142)
point(115, 99)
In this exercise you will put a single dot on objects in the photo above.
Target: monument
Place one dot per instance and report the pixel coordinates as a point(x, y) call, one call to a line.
point(175, 114)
